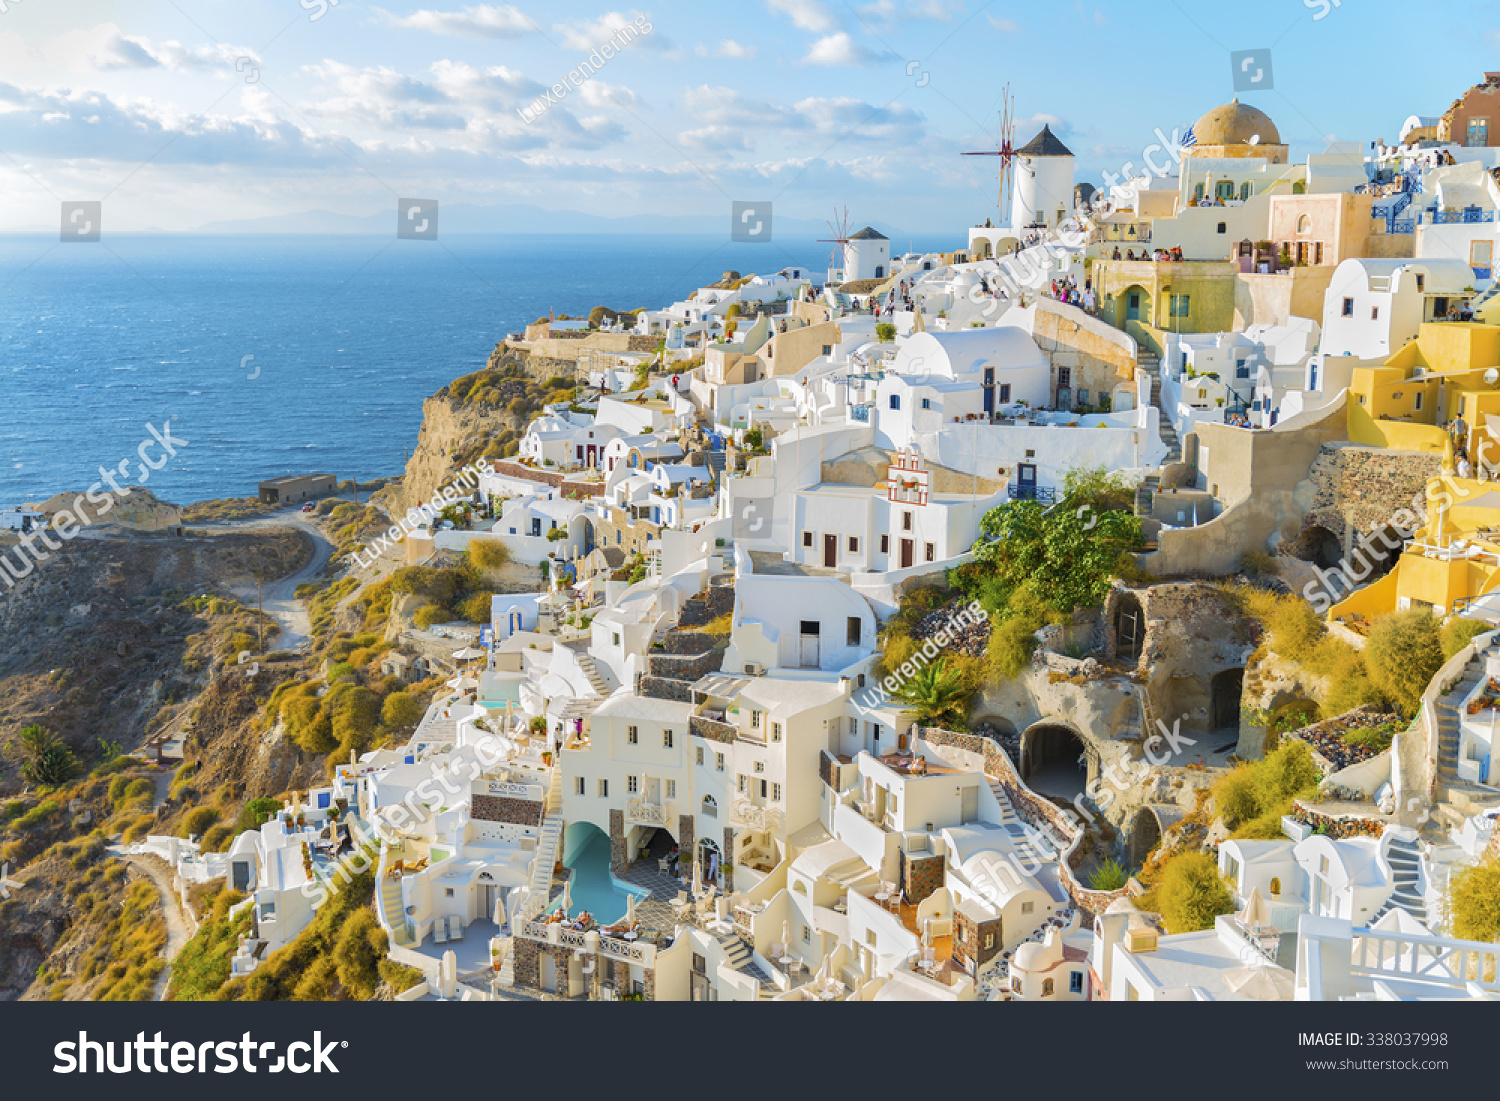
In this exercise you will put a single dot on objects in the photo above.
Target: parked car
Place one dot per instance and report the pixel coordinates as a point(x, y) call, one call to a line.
point(309, 507)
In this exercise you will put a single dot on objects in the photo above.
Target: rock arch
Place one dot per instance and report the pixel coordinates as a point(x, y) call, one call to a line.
point(1055, 759)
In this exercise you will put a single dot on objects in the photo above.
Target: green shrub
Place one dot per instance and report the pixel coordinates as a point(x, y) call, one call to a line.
point(1404, 652)
point(1110, 875)
point(476, 608)
point(197, 821)
point(430, 614)
point(1190, 893)
point(1459, 632)
point(1473, 905)
point(256, 813)
point(400, 711)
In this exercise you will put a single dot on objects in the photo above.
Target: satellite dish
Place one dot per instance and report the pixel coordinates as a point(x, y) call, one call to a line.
point(1492, 376)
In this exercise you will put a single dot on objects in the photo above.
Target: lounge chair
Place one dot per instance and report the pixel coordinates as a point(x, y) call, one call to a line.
point(455, 928)
point(440, 931)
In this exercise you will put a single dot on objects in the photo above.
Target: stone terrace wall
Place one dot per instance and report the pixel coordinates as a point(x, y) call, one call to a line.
point(1356, 487)
point(1039, 813)
point(553, 479)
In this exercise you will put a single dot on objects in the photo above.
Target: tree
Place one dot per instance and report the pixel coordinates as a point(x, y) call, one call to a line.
point(1474, 901)
point(1459, 632)
point(938, 692)
point(1404, 652)
point(45, 758)
point(400, 711)
point(1190, 893)
point(488, 554)
point(885, 332)
point(1070, 550)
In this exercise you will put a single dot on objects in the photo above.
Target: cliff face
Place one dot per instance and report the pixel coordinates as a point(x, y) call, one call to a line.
point(452, 433)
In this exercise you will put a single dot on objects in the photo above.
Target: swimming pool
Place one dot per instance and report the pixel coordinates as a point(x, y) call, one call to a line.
point(496, 693)
point(594, 888)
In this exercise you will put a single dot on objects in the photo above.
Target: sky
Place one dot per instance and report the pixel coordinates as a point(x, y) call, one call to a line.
point(177, 113)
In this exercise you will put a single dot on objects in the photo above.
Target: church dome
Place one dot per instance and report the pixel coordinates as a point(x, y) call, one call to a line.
point(1236, 123)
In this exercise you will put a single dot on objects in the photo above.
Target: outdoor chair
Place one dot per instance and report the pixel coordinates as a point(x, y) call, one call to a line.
point(440, 931)
point(455, 928)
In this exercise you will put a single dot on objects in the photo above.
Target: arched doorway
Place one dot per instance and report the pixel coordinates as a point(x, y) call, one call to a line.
point(1130, 628)
point(1145, 835)
point(1224, 702)
point(1055, 760)
point(710, 860)
point(1134, 304)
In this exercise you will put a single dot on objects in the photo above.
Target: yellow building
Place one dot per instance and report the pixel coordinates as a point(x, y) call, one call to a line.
point(1437, 394)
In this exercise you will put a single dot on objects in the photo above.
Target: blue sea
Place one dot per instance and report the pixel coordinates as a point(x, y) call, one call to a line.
point(348, 335)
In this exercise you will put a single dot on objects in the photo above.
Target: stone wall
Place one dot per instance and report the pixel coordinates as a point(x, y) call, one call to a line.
point(1040, 813)
point(684, 666)
point(685, 847)
point(920, 876)
point(969, 951)
point(568, 486)
point(726, 859)
point(617, 842)
point(494, 808)
point(1356, 488)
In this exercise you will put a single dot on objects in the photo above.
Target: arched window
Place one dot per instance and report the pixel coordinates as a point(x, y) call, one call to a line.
point(1047, 988)
point(710, 808)
point(1245, 190)
point(1299, 188)
point(1304, 224)
point(1275, 886)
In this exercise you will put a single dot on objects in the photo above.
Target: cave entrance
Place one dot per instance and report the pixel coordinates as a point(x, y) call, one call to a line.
point(1224, 707)
point(1054, 760)
point(1145, 835)
point(1130, 628)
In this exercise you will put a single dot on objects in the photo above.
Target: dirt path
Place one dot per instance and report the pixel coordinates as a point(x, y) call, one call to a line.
point(279, 598)
point(180, 926)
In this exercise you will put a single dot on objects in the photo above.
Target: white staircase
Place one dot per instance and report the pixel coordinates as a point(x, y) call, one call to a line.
point(1457, 798)
point(595, 678)
point(1406, 864)
point(391, 910)
point(1022, 840)
point(546, 852)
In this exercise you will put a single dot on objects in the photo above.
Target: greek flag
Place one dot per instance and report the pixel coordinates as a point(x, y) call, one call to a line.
point(1189, 138)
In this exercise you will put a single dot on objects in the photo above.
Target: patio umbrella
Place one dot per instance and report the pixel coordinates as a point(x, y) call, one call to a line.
point(567, 897)
point(927, 933)
point(468, 653)
point(1265, 982)
point(697, 878)
point(1255, 913)
point(825, 970)
point(629, 909)
point(499, 912)
point(786, 937)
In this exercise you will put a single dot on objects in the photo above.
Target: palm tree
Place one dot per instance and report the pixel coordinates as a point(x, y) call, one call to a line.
point(45, 758)
point(938, 693)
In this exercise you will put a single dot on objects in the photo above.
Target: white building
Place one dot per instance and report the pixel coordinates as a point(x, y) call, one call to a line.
point(1374, 307)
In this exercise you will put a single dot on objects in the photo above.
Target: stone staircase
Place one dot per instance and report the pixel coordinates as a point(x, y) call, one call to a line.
point(595, 678)
point(1457, 799)
point(717, 460)
point(546, 850)
point(390, 909)
point(738, 955)
point(1150, 362)
point(1145, 494)
point(1406, 863)
point(1026, 849)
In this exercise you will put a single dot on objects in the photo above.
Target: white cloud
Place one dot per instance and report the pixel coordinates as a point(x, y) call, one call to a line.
point(1004, 26)
point(482, 21)
point(596, 93)
point(728, 48)
point(633, 29)
point(841, 49)
point(806, 15)
point(131, 52)
point(714, 139)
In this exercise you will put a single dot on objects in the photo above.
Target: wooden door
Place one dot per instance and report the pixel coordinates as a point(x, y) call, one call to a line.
point(830, 551)
point(908, 553)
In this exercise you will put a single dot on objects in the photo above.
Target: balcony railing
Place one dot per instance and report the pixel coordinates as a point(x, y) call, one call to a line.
point(747, 814)
point(651, 814)
point(1031, 493)
point(1469, 216)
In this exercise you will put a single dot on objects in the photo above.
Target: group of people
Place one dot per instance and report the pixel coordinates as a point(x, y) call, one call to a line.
point(1067, 292)
point(1171, 255)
